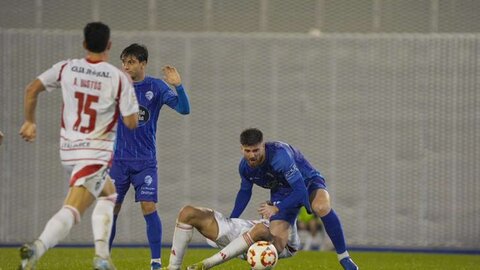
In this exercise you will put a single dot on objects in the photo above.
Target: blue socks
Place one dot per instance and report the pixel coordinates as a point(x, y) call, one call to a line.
point(114, 231)
point(154, 234)
point(333, 227)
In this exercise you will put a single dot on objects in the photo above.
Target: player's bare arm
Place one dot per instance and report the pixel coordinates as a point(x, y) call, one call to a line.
point(171, 75)
point(28, 131)
point(1, 137)
point(131, 121)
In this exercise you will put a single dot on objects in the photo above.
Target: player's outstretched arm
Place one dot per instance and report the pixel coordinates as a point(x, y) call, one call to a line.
point(28, 131)
point(171, 76)
point(1, 137)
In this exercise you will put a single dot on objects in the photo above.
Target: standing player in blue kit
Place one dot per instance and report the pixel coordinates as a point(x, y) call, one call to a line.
point(293, 182)
point(135, 161)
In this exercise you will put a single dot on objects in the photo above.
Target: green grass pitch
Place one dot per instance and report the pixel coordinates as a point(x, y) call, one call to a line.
point(138, 258)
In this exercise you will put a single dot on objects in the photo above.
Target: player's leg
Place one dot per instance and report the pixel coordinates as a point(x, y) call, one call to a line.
point(278, 234)
point(189, 217)
point(312, 226)
point(320, 202)
point(279, 229)
point(154, 232)
point(99, 186)
point(116, 212)
point(304, 220)
point(145, 181)
point(238, 245)
point(119, 176)
point(58, 227)
point(102, 221)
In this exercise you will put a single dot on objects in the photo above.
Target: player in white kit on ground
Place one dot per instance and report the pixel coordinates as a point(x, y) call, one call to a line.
point(94, 94)
point(220, 232)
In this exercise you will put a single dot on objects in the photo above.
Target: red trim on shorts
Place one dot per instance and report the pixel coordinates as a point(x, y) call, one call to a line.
point(60, 73)
point(117, 108)
point(87, 170)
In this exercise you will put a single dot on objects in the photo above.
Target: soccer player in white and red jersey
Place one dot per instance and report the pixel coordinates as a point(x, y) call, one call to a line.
point(220, 232)
point(94, 94)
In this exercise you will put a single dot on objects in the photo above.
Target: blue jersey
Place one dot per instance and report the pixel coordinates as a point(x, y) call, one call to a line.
point(285, 171)
point(140, 143)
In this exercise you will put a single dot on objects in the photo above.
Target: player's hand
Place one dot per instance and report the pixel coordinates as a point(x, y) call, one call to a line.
point(267, 210)
point(28, 131)
point(171, 76)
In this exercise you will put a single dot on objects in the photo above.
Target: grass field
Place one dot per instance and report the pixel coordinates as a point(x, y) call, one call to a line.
point(137, 258)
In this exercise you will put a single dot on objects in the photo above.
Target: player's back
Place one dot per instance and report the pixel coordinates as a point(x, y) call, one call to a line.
point(306, 169)
point(91, 91)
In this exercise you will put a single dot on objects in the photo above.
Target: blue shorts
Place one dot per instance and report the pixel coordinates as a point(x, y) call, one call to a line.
point(289, 215)
point(314, 184)
point(142, 175)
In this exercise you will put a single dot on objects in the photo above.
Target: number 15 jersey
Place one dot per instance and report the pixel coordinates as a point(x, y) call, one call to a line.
point(94, 94)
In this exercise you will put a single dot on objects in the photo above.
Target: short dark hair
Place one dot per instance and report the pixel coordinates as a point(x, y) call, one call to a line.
point(139, 51)
point(96, 35)
point(251, 136)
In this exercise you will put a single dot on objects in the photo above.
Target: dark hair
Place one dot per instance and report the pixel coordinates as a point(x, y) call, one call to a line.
point(251, 136)
point(137, 50)
point(96, 36)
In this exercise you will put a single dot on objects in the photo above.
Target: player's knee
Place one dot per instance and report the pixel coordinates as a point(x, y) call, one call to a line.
point(76, 214)
point(279, 245)
point(321, 209)
point(187, 213)
point(148, 207)
point(260, 232)
point(112, 197)
point(117, 208)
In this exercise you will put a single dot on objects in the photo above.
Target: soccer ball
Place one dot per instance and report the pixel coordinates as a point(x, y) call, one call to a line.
point(262, 255)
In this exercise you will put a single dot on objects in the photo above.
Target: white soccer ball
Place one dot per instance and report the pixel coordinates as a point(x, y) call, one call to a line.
point(262, 255)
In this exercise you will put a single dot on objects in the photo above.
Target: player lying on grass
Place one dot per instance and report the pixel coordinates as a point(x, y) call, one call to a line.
point(228, 234)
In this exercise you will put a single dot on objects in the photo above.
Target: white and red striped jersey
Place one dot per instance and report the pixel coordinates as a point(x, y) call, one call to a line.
point(94, 94)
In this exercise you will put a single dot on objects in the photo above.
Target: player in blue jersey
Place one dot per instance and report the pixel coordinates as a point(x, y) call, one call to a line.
point(134, 161)
point(293, 182)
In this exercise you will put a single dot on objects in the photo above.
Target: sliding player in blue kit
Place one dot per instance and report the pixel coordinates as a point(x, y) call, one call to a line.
point(135, 161)
point(293, 182)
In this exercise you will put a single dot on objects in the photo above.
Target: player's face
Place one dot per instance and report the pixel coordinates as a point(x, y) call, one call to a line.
point(254, 155)
point(134, 68)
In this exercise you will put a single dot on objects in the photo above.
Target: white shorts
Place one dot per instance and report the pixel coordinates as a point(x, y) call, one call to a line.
point(231, 228)
point(90, 176)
